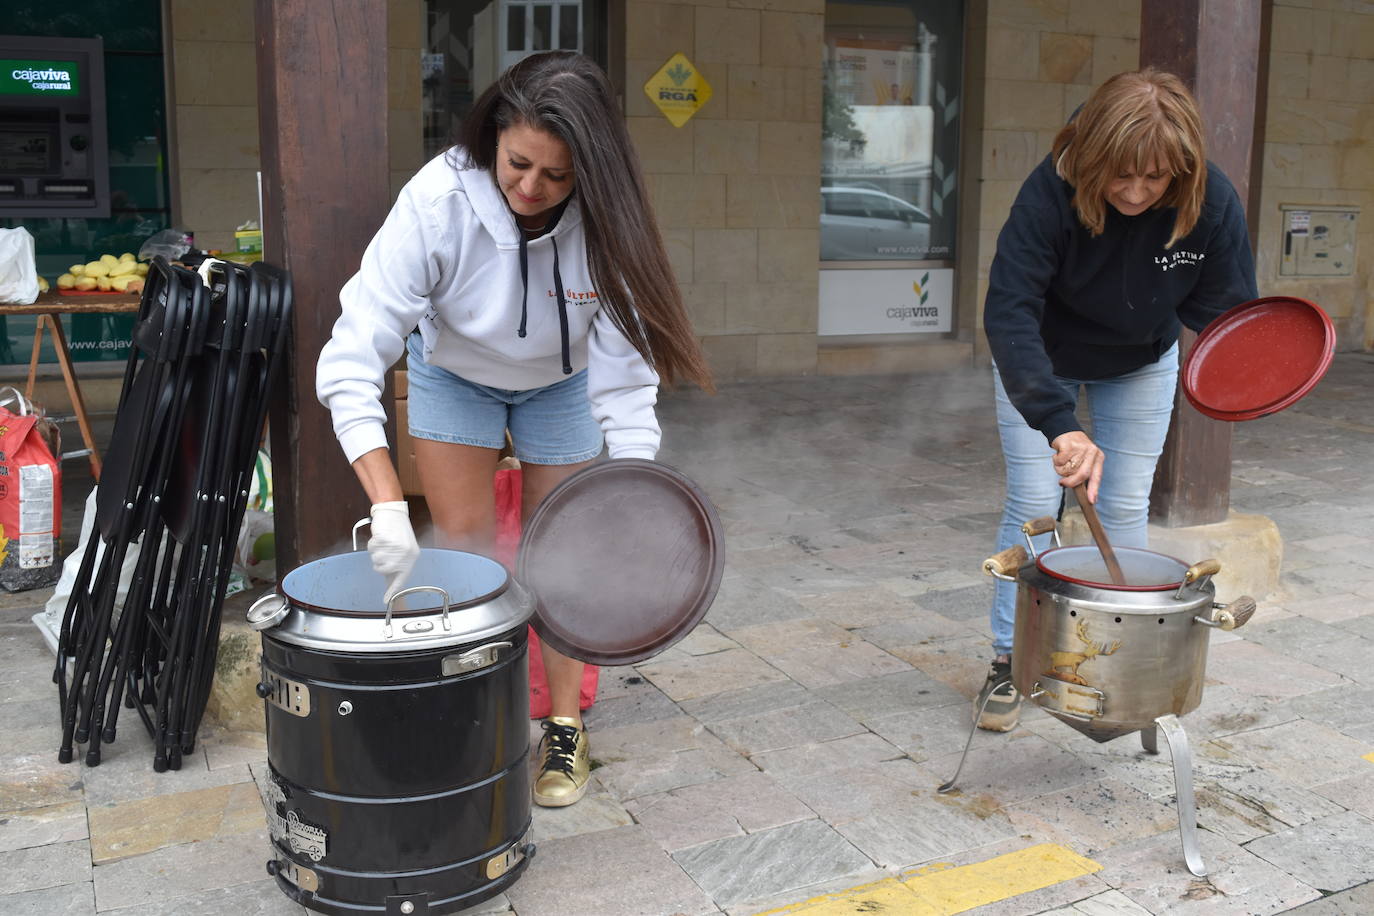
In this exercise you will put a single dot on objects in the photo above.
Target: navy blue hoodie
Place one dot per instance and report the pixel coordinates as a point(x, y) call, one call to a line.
point(1063, 303)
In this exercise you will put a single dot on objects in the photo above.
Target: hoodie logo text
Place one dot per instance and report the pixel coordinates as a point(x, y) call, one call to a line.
point(1179, 259)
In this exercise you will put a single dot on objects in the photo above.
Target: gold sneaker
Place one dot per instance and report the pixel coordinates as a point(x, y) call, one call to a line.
point(566, 763)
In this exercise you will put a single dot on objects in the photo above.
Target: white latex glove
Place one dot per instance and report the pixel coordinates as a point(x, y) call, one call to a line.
point(392, 546)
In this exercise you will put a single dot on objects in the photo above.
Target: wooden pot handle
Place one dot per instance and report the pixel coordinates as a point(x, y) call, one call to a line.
point(1237, 613)
point(1037, 526)
point(1005, 563)
point(1198, 570)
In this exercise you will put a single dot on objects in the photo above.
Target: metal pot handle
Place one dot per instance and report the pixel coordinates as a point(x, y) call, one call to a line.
point(386, 630)
point(356, 525)
point(261, 619)
point(1230, 616)
point(1198, 574)
point(1005, 564)
point(1045, 524)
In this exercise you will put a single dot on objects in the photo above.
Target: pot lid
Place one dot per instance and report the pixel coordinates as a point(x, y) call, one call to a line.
point(623, 559)
point(1258, 358)
point(1144, 570)
point(337, 603)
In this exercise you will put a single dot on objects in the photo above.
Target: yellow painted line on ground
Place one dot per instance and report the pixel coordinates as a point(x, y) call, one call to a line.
point(942, 890)
point(1369, 757)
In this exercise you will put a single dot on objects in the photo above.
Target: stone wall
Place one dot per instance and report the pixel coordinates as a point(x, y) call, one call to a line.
point(1031, 63)
point(736, 189)
point(1319, 148)
point(214, 85)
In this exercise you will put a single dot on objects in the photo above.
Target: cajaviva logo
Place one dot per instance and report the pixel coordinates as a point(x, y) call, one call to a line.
point(920, 288)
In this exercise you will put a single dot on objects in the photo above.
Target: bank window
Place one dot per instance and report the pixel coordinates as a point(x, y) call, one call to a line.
point(469, 42)
point(532, 27)
point(890, 128)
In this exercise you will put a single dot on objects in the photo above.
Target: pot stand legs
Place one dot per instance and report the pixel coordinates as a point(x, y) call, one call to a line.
point(977, 714)
point(1182, 755)
point(1183, 784)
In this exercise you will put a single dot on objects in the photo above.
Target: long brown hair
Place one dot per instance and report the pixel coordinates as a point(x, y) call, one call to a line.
point(568, 95)
point(1132, 120)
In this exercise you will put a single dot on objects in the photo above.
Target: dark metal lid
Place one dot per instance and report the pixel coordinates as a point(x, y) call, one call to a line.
point(623, 558)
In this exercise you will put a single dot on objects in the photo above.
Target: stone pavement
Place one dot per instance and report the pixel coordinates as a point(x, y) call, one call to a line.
point(785, 755)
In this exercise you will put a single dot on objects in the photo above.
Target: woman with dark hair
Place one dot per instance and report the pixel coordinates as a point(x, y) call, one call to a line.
point(523, 274)
point(1120, 236)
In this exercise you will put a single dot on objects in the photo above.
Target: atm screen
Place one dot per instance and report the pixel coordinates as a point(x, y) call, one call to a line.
point(28, 149)
point(27, 153)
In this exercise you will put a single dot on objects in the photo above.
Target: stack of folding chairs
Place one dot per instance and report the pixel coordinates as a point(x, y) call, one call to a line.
point(204, 360)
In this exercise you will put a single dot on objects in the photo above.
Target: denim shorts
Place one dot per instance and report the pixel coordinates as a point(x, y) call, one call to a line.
point(549, 425)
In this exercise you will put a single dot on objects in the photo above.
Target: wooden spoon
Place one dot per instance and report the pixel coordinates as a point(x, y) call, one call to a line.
point(1099, 535)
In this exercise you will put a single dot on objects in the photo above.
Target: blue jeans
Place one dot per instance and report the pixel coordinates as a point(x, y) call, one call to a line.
point(1129, 415)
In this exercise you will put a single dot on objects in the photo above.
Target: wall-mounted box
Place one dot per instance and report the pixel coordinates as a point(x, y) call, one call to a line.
point(1318, 240)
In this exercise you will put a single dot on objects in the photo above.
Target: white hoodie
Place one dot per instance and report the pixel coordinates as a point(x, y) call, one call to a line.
point(448, 259)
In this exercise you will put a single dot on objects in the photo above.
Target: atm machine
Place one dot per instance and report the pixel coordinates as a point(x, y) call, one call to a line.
point(54, 159)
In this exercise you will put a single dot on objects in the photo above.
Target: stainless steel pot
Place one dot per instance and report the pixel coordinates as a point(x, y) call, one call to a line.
point(1108, 659)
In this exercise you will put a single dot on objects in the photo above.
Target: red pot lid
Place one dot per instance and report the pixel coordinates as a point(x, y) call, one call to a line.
point(1258, 358)
point(623, 558)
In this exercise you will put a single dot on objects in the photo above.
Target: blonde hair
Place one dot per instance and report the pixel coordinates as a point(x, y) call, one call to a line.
point(1133, 121)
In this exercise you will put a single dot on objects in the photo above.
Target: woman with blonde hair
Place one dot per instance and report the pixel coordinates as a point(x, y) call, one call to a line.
point(524, 275)
point(1122, 235)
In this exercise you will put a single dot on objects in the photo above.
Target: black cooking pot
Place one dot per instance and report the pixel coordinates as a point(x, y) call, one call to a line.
point(397, 737)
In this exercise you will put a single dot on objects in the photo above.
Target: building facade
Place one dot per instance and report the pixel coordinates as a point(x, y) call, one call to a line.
point(832, 207)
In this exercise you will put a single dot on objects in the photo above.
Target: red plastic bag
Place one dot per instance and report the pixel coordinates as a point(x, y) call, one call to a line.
point(507, 484)
point(30, 498)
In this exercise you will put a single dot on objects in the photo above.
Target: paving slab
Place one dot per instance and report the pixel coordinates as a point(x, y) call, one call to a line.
point(620, 872)
point(62, 823)
point(722, 808)
point(1093, 817)
point(37, 867)
point(778, 729)
point(259, 898)
point(858, 790)
point(1355, 793)
point(1015, 766)
point(860, 608)
point(870, 698)
point(925, 733)
point(701, 676)
point(1300, 752)
point(925, 825)
point(37, 780)
point(598, 810)
point(821, 757)
point(1151, 873)
point(186, 870)
point(738, 869)
point(132, 828)
point(734, 704)
point(1111, 903)
point(66, 900)
point(1330, 853)
point(1358, 901)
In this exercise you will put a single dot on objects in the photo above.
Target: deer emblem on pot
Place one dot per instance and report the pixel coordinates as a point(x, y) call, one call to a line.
point(1064, 665)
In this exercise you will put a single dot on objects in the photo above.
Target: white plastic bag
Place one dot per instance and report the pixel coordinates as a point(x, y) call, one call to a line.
point(18, 274)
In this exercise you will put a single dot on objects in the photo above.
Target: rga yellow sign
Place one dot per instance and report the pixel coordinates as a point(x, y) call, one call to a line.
point(678, 90)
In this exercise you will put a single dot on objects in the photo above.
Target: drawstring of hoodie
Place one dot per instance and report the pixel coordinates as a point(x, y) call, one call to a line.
point(562, 300)
point(562, 310)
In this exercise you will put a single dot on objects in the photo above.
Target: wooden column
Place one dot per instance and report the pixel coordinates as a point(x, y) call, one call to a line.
point(322, 120)
point(1214, 46)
